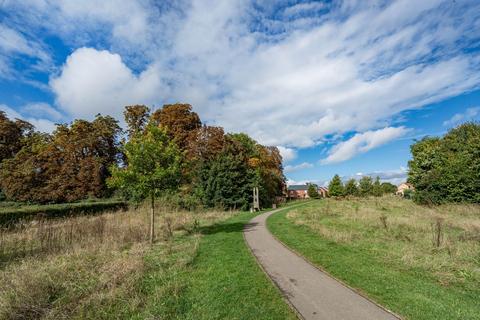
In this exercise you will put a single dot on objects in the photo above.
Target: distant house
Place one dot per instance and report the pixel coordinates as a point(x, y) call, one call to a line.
point(300, 191)
point(404, 186)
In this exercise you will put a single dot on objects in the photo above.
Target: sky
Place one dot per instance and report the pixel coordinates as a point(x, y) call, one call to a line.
point(340, 87)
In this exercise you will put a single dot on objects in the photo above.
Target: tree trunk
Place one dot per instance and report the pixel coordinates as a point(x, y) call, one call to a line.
point(152, 219)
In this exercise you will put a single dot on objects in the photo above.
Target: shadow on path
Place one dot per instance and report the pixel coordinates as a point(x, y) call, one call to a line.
point(226, 227)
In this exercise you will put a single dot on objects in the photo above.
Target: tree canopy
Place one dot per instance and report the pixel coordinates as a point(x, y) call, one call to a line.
point(335, 188)
point(75, 161)
point(447, 169)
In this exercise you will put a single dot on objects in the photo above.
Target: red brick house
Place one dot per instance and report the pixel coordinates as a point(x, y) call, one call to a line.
point(301, 191)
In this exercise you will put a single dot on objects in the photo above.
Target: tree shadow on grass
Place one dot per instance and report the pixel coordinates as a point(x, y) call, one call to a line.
point(227, 227)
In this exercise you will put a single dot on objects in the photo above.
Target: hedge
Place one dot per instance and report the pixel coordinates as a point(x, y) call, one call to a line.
point(12, 215)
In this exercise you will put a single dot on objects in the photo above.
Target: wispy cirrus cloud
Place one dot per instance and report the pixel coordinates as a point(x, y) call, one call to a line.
point(469, 114)
point(301, 166)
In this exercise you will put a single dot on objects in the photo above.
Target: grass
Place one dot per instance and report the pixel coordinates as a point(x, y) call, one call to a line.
point(101, 267)
point(13, 212)
point(422, 263)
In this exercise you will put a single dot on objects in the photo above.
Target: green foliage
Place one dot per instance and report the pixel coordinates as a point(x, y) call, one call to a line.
point(335, 188)
point(377, 188)
point(13, 214)
point(153, 165)
point(351, 188)
point(388, 188)
point(365, 186)
point(408, 194)
point(312, 191)
point(447, 169)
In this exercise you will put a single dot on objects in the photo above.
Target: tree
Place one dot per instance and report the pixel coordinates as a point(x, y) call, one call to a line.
point(12, 134)
point(179, 121)
point(312, 191)
point(377, 188)
point(351, 188)
point(447, 169)
point(365, 186)
point(136, 117)
point(153, 166)
point(388, 188)
point(69, 165)
point(335, 188)
point(226, 180)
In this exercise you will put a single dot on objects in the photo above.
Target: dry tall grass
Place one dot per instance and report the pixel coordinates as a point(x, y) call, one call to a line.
point(77, 267)
point(443, 240)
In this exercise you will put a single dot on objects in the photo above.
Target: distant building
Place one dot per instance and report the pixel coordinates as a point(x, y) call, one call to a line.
point(404, 186)
point(300, 191)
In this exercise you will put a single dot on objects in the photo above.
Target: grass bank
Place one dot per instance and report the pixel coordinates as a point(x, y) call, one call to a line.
point(422, 263)
point(101, 267)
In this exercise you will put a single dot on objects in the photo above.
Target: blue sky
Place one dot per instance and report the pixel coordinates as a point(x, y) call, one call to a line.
point(339, 86)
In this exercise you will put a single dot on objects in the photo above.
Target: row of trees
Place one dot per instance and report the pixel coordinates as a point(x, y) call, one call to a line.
point(447, 169)
point(169, 147)
point(363, 188)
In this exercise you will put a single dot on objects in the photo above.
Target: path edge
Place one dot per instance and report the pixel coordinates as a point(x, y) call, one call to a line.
point(277, 287)
point(321, 269)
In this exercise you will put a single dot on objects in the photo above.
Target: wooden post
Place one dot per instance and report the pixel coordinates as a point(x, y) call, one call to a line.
point(152, 219)
point(256, 201)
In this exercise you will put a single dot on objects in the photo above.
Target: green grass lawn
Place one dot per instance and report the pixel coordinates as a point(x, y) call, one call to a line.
point(396, 266)
point(222, 280)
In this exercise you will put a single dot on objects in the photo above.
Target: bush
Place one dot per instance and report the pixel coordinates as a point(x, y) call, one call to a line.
point(447, 169)
point(12, 215)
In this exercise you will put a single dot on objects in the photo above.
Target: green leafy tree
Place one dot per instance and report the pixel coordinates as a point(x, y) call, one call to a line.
point(447, 169)
point(153, 166)
point(312, 191)
point(335, 188)
point(365, 186)
point(388, 188)
point(377, 188)
point(351, 188)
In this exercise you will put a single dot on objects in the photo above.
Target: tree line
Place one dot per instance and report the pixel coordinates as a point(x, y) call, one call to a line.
point(365, 187)
point(200, 165)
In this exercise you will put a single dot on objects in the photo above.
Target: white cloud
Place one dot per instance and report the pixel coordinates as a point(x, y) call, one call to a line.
point(301, 166)
point(395, 177)
point(41, 109)
point(41, 124)
point(285, 80)
point(458, 118)
point(288, 154)
point(363, 142)
point(95, 81)
point(14, 45)
point(300, 8)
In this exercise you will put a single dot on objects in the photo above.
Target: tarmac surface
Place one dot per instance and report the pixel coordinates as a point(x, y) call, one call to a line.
point(311, 292)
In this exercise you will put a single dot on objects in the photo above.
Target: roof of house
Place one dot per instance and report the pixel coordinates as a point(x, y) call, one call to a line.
point(297, 187)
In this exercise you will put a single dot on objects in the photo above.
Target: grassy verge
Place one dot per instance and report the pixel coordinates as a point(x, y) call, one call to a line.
point(222, 281)
point(101, 267)
point(388, 249)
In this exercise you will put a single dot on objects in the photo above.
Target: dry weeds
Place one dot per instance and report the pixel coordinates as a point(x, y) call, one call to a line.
point(80, 267)
point(444, 240)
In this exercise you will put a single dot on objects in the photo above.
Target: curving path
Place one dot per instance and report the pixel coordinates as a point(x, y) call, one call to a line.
point(313, 293)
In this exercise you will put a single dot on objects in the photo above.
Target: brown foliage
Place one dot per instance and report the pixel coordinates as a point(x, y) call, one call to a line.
point(67, 166)
point(205, 143)
point(136, 118)
point(180, 122)
point(12, 134)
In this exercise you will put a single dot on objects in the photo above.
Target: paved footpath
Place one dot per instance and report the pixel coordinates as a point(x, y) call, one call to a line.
point(313, 293)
